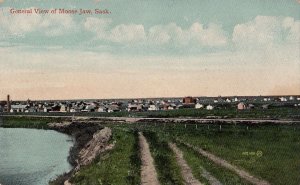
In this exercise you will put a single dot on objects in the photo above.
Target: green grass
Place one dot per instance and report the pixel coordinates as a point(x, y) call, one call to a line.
point(279, 144)
point(274, 112)
point(119, 166)
point(28, 122)
point(279, 163)
point(197, 162)
point(165, 161)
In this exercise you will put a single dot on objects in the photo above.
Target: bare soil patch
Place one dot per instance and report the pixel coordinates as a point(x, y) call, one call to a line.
point(148, 172)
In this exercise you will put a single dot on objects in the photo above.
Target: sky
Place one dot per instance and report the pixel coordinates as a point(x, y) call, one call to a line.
point(155, 48)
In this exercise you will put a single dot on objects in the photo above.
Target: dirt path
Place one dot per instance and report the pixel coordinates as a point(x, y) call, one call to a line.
point(186, 171)
point(148, 172)
point(243, 174)
point(211, 179)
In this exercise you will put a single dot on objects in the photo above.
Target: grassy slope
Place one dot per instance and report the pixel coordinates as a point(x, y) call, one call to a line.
point(119, 166)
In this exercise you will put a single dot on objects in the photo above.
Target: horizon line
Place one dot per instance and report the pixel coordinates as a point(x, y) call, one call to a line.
point(163, 97)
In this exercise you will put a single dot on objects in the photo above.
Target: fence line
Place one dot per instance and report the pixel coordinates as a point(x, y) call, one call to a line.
point(219, 127)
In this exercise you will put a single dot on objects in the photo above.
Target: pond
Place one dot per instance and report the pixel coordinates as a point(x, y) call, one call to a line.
point(31, 156)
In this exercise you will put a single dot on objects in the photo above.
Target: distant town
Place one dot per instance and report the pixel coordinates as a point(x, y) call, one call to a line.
point(149, 104)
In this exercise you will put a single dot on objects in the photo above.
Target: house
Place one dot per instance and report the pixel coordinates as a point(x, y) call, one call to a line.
point(283, 99)
point(113, 108)
point(102, 109)
point(171, 106)
point(209, 107)
point(73, 110)
point(199, 106)
point(63, 108)
point(18, 108)
point(89, 108)
point(152, 108)
point(47, 109)
point(31, 109)
point(76, 108)
point(135, 107)
point(189, 100)
point(241, 106)
point(55, 108)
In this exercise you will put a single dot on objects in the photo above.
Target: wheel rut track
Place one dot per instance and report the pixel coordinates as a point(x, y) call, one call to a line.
point(148, 171)
point(240, 172)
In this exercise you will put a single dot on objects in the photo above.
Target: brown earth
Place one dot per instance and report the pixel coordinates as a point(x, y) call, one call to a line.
point(148, 172)
point(97, 145)
point(91, 139)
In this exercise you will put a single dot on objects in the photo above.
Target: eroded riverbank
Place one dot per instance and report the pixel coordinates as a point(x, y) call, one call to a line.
point(90, 140)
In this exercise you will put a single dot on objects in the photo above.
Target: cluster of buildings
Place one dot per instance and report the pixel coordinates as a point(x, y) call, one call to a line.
point(151, 104)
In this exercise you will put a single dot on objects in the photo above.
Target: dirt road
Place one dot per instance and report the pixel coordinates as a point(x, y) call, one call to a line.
point(148, 172)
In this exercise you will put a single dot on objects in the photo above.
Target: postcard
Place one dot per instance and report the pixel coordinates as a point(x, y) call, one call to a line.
point(130, 92)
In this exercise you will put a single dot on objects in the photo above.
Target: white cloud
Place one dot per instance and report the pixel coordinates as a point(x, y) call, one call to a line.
point(266, 31)
point(121, 33)
point(212, 36)
point(98, 26)
point(127, 33)
point(162, 34)
point(16, 25)
point(293, 28)
point(55, 25)
point(197, 34)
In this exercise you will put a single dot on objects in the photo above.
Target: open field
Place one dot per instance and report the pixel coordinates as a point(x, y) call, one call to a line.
point(266, 151)
point(28, 122)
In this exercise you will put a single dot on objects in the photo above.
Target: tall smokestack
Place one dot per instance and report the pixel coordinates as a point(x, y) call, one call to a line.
point(8, 103)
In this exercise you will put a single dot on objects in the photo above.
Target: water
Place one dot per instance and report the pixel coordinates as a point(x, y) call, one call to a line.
point(31, 156)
